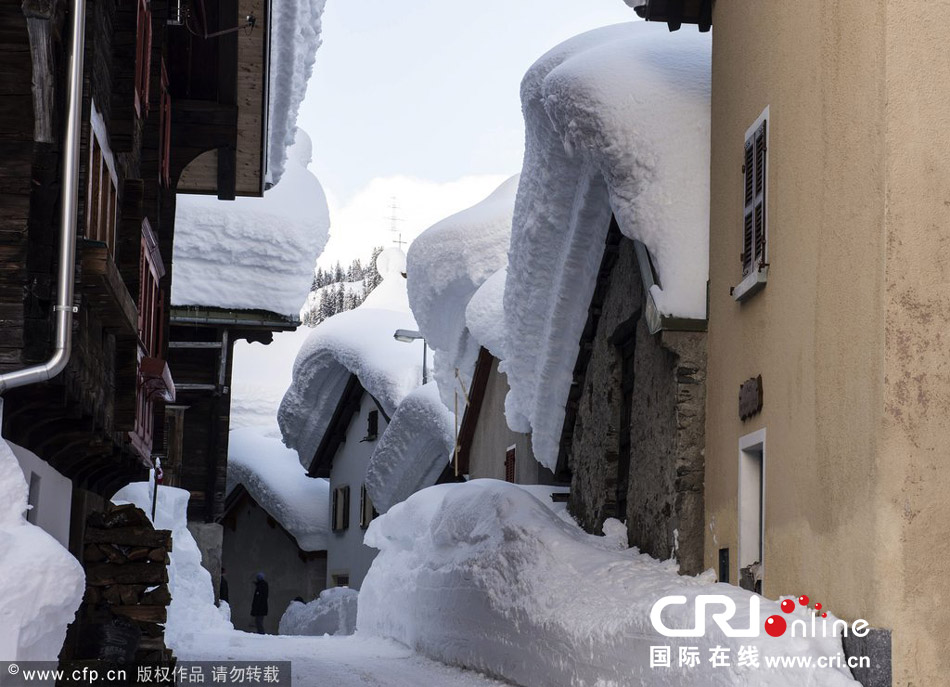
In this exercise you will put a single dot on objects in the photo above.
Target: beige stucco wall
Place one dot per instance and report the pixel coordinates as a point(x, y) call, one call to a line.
point(850, 334)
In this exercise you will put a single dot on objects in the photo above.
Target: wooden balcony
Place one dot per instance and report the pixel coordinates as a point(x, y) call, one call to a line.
point(104, 291)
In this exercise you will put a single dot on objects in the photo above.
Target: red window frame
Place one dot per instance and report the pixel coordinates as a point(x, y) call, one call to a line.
point(143, 56)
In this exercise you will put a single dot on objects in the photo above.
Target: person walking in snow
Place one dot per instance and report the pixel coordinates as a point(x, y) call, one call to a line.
point(259, 602)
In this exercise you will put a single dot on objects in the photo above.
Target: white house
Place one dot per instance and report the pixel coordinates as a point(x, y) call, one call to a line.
point(349, 377)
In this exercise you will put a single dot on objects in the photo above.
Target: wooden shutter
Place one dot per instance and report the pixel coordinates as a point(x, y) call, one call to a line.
point(367, 511)
point(336, 519)
point(165, 130)
point(510, 465)
point(346, 507)
point(372, 424)
point(755, 178)
point(143, 56)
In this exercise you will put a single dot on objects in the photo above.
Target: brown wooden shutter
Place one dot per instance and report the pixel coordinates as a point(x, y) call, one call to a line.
point(748, 231)
point(335, 522)
point(346, 507)
point(760, 185)
point(510, 465)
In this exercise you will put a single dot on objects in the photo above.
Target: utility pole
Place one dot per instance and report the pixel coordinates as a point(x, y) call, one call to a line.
point(394, 220)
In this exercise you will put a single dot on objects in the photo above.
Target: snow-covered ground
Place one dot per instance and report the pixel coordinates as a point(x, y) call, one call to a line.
point(335, 661)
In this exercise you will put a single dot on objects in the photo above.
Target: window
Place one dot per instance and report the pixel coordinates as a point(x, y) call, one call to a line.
point(342, 580)
point(143, 56)
point(151, 301)
point(33, 499)
point(341, 509)
point(372, 426)
point(101, 196)
point(752, 511)
point(510, 464)
point(754, 255)
point(367, 510)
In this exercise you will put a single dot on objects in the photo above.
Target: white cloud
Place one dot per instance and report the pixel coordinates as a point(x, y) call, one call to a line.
point(363, 221)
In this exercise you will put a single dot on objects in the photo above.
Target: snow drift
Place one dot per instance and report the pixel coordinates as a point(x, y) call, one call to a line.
point(617, 121)
point(252, 253)
point(294, 40)
point(275, 479)
point(484, 575)
point(485, 314)
point(356, 342)
point(192, 610)
point(332, 613)
point(41, 583)
point(447, 264)
point(413, 451)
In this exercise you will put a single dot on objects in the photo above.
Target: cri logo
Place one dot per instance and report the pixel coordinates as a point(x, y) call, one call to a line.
point(775, 625)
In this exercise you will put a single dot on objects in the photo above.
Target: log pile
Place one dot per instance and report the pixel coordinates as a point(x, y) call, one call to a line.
point(127, 596)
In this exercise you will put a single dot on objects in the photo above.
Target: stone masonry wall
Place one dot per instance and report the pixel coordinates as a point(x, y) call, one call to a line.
point(664, 513)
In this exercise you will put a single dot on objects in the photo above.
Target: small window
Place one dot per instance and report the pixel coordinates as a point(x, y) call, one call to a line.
point(341, 580)
point(510, 464)
point(33, 499)
point(341, 509)
point(367, 510)
point(754, 255)
point(372, 426)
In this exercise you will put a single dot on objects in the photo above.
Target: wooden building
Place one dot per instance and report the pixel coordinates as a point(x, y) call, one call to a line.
point(171, 94)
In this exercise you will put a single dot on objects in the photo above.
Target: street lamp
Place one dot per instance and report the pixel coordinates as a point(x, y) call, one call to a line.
point(408, 336)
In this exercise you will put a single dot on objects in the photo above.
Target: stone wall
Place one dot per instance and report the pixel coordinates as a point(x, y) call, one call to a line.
point(664, 511)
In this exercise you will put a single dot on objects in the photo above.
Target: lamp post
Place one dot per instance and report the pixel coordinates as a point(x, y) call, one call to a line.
point(408, 336)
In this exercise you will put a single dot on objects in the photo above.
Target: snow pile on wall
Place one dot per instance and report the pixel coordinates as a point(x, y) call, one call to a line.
point(252, 253)
point(485, 314)
point(294, 40)
point(192, 610)
point(332, 613)
point(41, 583)
point(446, 265)
point(413, 451)
point(260, 375)
point(617, 120)
point(359, 342)
point(275, 479)
point(484, 575)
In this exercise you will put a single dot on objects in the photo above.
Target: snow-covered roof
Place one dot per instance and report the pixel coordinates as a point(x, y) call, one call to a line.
point(485, 314)
point(252, 253)
point(272, 475)
point(294, 39)
point(356, 342)
point(617, 121)
point(447, 264)
point(414, 449)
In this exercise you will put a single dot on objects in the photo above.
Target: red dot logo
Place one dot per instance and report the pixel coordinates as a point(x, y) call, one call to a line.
point(817, 606)
point(803, 600)
point(824, 615)
point(775, 626)
point(788, 606)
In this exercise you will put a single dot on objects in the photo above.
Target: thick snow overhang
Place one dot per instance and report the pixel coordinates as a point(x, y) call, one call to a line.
point(446, 265)
point(252, 253)
point(356, 343)
point(414, 450)
point(485, 314)
point(675, 12)
point(617, 123)
point(273, 477)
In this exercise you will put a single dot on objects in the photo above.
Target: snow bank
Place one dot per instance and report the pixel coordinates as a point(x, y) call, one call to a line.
point(41, 583)
point(413, 451)
point(617, 120)
point(446, 265)
point(484, 575)
point(359, 342)
point(332, 613)
point(275, 479)
point(192, 610)
point(294, 40)
point(252, 253)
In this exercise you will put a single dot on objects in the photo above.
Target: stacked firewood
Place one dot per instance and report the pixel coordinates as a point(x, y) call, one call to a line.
point(127, 593)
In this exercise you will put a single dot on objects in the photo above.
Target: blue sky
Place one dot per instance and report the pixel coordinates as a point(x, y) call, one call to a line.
point(425, 91)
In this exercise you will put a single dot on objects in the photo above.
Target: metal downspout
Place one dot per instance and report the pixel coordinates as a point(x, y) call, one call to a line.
point(68, 209)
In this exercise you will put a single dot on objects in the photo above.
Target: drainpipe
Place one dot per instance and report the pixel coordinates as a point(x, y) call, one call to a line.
point(68, 208)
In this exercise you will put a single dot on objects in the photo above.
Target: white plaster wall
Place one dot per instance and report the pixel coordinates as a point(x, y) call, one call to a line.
point(346, 553)
point(55, 495)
